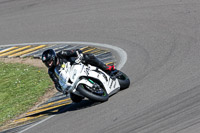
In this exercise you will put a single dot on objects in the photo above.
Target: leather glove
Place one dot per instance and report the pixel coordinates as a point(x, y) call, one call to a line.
point(79, 58)
point(80, 51)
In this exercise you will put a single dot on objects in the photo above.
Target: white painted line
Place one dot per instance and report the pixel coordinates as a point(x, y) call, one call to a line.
point(37, 123)
point(122, 60)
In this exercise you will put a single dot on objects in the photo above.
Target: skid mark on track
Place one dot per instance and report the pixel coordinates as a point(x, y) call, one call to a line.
point(161, 117)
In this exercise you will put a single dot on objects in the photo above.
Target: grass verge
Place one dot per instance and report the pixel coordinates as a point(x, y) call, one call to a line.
point(20, 87)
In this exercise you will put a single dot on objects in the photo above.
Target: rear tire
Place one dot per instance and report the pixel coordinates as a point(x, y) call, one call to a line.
point(75, 98)
point(123, 80)
point(92, 96)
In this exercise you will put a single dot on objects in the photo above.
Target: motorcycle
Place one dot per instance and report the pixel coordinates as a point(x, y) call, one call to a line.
point(80, 81)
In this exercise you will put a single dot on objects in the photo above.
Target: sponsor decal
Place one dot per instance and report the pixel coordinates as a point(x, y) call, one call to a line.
point(111, 84)
point(63, 66)
point(87, 71)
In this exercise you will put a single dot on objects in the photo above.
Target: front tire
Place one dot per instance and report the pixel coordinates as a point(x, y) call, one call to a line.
point(91, 95)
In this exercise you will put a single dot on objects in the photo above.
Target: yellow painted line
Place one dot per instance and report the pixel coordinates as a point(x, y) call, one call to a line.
point(95, 51)
point(6, 50)
point(88, 50)
point(55, 111)
point(109, 63)
point(45, 109)
point(91, 50)
point(41, 110)
point(16, 50)
point(101, 52)
point(27, 51)
point(49, 104)
point(28, 118)
point(84, 48)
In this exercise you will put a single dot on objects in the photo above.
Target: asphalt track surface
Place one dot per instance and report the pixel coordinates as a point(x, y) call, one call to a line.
point(162, 41)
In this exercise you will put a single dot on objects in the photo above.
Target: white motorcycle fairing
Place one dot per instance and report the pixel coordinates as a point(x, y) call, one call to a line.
point(70, 76)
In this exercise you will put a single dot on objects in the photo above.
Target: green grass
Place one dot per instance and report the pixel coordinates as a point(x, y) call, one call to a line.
point(20, 87)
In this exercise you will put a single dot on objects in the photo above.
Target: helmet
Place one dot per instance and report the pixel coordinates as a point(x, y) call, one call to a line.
point(49, 58)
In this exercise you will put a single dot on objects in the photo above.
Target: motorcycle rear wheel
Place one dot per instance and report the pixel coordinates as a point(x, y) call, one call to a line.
point(123, 79)
point(91, 95)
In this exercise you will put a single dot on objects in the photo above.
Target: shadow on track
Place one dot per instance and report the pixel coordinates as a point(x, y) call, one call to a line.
point(76, 106)
point(66, 108)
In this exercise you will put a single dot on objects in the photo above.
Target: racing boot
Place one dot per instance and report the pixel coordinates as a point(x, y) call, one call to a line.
point(91, 59)
point(109, 69)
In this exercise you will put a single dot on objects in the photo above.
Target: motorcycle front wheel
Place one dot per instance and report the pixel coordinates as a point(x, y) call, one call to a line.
point(86, 91)
point(75, 98)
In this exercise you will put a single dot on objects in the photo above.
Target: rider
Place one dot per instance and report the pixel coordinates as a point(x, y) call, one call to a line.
point(53, 60)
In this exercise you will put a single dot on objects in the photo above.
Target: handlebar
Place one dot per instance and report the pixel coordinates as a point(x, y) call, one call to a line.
point(80, 57)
